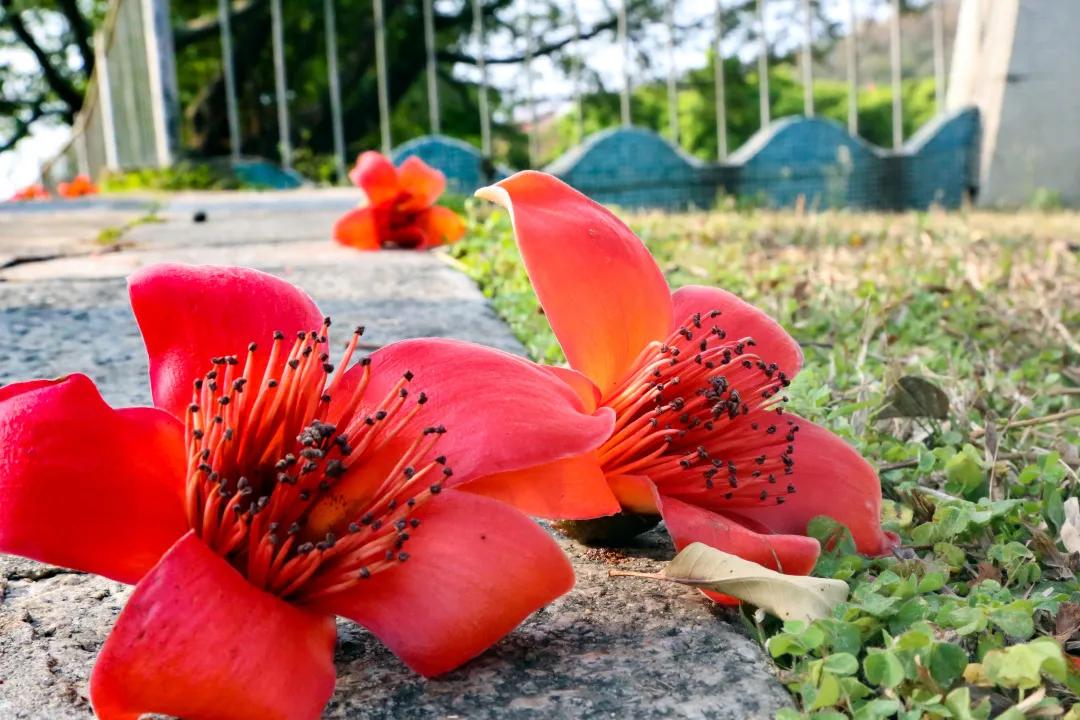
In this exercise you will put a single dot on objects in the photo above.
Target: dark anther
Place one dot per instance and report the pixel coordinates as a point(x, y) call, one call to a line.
point(421, 399)
point(364, 573)
point(436, 489)
point(408, 375)
point(278, 335)
point(441, 459)
point(359, 330)
point(447, 471)
point(365, 361)
point(415, 522)
point(790, 488)
point(335, 468)
point(294, 363)
point(328, 367)
point(403, 392)
point(305, 548)
point(354, 527)
point(294, 528)
point(764, 495)
point(409, 471)
point(403, 556)
point(271, 383)
point(380, 415)
point(193, 408)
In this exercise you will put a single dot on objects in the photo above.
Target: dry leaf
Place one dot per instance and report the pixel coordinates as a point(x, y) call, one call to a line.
point(788, 597)
point(1070, 529)
point(915, 397)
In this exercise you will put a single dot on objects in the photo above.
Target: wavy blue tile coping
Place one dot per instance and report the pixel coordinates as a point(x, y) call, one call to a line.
point(809, 158)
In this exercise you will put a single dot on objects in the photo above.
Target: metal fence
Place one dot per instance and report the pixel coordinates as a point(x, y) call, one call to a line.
point(130, 118)
point(129, 115)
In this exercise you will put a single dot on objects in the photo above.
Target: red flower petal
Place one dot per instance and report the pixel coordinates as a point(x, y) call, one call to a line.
point(636, 493)
point(501, 411)
point(569, 489)
point(376, 176)
point(741, 319)
point(86, 486)
point(832, 479)
point(439, 226)
point(189, 314)
point(791, 554)
point(476, 569)
point(583, 386)
point(198, 641)
point(359, 229)
point(421, 183)
point(602, 291)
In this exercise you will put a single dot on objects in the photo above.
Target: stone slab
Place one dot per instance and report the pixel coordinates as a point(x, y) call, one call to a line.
point(612, 648)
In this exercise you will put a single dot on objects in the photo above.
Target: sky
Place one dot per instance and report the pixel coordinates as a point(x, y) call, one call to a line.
point(19, 167)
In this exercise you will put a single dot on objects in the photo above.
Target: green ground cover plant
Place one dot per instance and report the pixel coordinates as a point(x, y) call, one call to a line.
point(946, 347)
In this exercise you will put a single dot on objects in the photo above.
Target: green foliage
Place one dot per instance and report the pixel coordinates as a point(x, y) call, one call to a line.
point(969, 617)
point(181, 176)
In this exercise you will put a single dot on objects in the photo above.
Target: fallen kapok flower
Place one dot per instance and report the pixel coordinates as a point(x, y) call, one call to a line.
point(79, 186)
point(268, 490)
point(399, 209)
point(30, 192)
point(696, 379)
point(788, 597)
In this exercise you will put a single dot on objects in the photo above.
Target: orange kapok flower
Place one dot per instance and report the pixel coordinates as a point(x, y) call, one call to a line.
point(696, 380)
point(399, 209)
point(269, 490)
point(78, 187)
point(31, 192)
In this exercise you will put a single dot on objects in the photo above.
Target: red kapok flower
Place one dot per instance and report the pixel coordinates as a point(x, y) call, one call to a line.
point(269, 490)
point(31, 192)
point(695, 378)
point(400, 209)
point(81, 185)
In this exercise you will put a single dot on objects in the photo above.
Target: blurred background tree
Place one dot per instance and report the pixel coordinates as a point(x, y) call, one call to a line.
point(46, 57)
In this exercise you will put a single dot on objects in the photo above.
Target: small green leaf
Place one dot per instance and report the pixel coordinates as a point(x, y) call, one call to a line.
point(1022, 666)
point(883, 668)
point(947, 663)
point(841, 664)
point(828, 692)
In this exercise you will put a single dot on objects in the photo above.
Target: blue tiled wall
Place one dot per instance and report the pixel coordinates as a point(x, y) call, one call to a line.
point(812, 159)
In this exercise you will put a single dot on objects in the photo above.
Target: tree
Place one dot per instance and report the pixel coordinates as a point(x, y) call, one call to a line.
point(44, 73)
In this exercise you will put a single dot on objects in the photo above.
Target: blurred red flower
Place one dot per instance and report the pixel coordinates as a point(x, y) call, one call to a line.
point(399, 209)
point(79, 186)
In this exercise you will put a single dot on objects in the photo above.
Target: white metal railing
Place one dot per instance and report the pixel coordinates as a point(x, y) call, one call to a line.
point(129, 117)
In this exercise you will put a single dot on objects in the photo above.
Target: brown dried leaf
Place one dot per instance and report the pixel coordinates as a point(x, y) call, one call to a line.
point(914, 397)
point(1070, 529)
point(789, 597)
